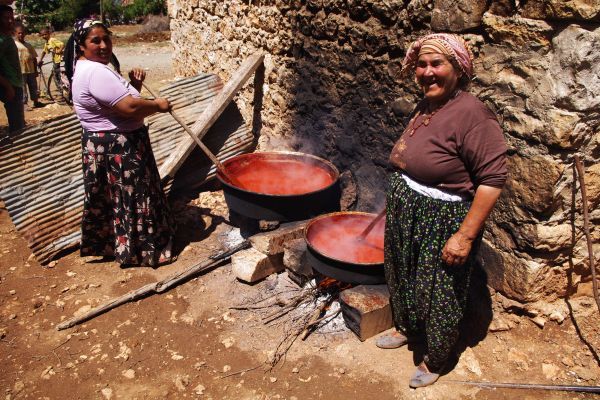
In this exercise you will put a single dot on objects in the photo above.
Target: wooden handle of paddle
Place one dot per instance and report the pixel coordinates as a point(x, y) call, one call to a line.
point(370, 227)
point(205, 149)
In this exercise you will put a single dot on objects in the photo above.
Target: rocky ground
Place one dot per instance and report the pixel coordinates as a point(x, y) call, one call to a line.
point(189, 343)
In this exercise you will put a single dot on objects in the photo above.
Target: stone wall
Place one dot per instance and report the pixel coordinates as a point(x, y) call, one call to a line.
point(331, 87)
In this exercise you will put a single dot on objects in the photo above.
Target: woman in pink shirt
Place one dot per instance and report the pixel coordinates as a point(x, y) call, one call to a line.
point(126, 214)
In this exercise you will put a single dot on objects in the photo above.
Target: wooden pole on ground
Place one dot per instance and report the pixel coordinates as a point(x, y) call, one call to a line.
point(529, 386)
point(155, 287)
point(211, 114)
point(586, 227)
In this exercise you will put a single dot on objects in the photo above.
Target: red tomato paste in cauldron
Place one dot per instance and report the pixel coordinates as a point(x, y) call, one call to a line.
point(337, 236)
point(281, 176)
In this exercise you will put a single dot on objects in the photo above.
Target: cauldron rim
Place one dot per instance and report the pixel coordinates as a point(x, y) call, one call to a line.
point(333, 259)
point(328, 164)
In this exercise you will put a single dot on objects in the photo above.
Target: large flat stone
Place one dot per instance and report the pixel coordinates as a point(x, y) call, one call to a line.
point(366, 310)
point(271, 243)
point(251, 265)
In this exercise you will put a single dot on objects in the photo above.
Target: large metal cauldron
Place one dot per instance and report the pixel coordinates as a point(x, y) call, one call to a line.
point(281, 186)
point(334, 247)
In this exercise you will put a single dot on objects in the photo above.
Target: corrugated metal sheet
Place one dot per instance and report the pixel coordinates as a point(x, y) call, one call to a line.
point(41, 180)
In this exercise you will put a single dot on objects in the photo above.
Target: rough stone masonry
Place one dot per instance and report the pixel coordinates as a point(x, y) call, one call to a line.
point(331, 87)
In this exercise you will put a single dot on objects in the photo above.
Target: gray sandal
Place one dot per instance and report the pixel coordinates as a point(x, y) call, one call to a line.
point(391, 341)
point(422, 378)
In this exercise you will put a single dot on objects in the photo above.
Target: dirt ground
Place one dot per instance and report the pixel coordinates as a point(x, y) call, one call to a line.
point(188, 343)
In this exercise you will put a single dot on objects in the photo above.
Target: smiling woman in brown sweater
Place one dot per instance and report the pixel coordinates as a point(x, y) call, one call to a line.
point(451, 161)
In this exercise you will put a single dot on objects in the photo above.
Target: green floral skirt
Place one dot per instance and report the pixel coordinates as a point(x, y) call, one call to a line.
point(428, 297)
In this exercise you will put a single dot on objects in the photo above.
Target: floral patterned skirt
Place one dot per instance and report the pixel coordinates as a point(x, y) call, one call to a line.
point(125, 213)
point(428, 297)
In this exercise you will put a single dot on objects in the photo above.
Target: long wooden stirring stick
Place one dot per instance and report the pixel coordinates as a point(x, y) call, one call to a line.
point(370, 227)
point(205, 149)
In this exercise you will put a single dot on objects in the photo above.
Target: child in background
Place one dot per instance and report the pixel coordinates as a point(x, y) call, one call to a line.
point(27, 58)
point(56, 48)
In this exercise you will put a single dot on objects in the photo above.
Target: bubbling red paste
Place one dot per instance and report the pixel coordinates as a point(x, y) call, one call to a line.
point(281, 177)
point(338, 237)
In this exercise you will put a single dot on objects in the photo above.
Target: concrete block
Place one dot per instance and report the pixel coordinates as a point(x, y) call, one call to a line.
point(251, 265)
point(271, 243)
point(366, 310)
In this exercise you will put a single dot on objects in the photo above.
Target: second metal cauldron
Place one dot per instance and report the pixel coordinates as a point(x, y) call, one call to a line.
point(334, 249)
point(281, 186)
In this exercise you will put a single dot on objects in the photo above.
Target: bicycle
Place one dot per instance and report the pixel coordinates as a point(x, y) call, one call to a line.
point(53, 91)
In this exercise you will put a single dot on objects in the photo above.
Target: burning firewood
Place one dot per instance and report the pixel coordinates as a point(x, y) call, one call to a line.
point(299, 314)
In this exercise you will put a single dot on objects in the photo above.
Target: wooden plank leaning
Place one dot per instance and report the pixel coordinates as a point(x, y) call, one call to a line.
point(211, 114)
point(155, 287)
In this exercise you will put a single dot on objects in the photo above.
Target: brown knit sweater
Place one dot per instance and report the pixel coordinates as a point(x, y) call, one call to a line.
point(461, 148)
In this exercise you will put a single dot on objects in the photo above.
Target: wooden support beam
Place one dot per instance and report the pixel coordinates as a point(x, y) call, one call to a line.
point(211, 114)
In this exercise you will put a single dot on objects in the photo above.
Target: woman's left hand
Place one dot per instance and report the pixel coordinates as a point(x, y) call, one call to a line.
point(137, 76)
point(457, 249)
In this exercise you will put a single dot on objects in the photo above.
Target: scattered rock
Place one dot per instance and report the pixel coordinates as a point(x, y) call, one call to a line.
point(273, 379)
point(226, 368)
point(52, 264)
point(181, 382)
point(37, 303)
point(550, 371)
point(498, 324)
point(12, 316)
point(12, 292)
point(199, 390)
point(567, 361)
point(470, 361)
point(124, 351)
point(584, 373)
point(557, 316)
point(18, 387)
point(107, 393)
point(228, 342)
point(539, 321)
point(128, 373)
point(227, 317)
point(295, 370)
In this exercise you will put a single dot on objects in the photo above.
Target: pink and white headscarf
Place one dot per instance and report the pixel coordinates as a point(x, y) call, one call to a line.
point(452, 46)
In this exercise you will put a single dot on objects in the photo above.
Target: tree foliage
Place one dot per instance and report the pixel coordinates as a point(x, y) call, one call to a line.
point(63, 13)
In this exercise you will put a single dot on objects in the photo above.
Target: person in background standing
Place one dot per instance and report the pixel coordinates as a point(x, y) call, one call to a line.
point(27, 58)
point(56, 48)
point(11, 82)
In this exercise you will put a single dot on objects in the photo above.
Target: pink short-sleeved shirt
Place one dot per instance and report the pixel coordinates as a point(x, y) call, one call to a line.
point(96, 89)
